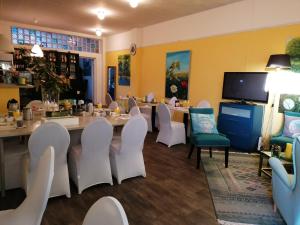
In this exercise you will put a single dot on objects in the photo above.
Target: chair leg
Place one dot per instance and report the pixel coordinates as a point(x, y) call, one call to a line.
point(210, 152)
point(191, 151)
point(274, 208)
point(198, 157)
point(226, 157)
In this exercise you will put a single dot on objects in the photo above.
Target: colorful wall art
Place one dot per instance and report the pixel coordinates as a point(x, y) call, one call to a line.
point(177, 74)
point(124, 70)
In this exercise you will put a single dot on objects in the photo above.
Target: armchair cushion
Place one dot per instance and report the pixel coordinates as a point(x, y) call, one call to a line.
point(203, 123)
point(291, 124)
point(280, 171)
point(211, 140)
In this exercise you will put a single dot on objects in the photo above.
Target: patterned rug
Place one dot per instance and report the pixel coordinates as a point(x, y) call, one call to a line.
point(240, 196)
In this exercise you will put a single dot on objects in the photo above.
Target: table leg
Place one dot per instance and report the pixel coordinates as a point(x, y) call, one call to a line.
point(261, 159)
point(186, 121)
point(2, 168)
point(153, 115)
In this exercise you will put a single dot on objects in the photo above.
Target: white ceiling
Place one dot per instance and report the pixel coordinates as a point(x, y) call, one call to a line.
point(79, 15)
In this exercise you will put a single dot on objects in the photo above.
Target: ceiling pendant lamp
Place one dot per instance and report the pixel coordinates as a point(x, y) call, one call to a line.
point(36, 51)
point(133, 3)
point(279, 62)
point(99, 32)
point(101, 14)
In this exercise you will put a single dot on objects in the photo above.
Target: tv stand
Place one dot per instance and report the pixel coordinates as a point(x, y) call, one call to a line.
point(241, 124)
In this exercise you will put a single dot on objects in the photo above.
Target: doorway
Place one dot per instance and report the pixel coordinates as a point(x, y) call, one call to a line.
point(87, 70)
point(111, 81)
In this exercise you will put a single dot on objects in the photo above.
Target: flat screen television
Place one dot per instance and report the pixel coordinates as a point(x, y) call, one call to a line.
point(245, 86)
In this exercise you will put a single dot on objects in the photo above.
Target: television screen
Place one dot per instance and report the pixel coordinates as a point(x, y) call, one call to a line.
point(245, 86)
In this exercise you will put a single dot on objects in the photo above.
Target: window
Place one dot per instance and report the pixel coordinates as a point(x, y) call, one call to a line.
point(23, 36)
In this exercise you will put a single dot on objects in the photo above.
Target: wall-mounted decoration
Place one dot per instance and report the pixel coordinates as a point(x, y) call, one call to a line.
point(177, 74)
point(289, 102)
point(124, 70)
point(293, 49)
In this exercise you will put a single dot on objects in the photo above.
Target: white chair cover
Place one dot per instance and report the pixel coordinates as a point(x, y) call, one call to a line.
point(113, 105)
point(51, 134)
point(126, 156)
point(35, 104)
point(108, 99)
point(89, 162)
point(150, 97)
point(170, 132)
point(204, 104)
point(134, 111)
point(172, 101)
point(31, 211)
point(131, 103)
point(106, 211)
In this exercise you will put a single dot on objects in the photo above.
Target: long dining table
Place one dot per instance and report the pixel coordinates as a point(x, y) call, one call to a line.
point(30, 126)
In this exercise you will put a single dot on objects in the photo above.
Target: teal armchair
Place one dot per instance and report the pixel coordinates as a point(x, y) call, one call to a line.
point(286, 187)
point(201, 140)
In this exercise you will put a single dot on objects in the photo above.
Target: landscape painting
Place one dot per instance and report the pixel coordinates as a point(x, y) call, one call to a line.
point(124, 70)
point(177, 74)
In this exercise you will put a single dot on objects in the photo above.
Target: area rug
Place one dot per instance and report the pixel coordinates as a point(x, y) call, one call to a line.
point(240, 196)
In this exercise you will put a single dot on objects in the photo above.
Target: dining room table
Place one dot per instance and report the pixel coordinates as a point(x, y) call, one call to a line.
point(29, 126)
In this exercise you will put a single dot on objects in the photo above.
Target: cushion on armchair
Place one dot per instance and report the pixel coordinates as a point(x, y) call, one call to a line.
point(291, 124)
point(203, 123)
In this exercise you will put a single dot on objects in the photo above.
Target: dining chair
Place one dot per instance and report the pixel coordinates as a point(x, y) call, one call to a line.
point(56, 135)
point(204, 133)
point(172, 101)
point(286, 187)
point(144, 110)
point(106, 211)
point(170, 132)
point(108, 99)
point(134, 111)
point(113, 105)
point(126, 155)
point(203, 104)
point(89, 162)
point(31, 210)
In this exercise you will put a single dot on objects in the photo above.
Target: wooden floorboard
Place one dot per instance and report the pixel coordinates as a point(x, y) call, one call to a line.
point(173, 193)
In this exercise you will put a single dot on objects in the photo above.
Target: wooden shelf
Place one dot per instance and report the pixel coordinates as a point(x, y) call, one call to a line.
point(2, 85)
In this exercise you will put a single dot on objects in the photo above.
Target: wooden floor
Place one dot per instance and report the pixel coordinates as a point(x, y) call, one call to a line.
point(173, 193)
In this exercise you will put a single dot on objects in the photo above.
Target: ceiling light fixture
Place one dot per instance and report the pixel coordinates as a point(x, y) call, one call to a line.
point(133, 3)
point(101, 14)
point(98, 32)
point(36, 51)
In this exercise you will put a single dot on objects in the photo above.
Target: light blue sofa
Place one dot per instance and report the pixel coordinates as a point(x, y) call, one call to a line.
point(286, 187)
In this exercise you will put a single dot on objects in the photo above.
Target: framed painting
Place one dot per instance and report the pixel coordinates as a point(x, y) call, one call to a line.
point(177, 74)
point(124, 70)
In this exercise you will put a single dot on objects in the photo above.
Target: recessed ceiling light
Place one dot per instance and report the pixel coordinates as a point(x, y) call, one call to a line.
point(133, 3)
point(101, 14)
point(98, 32)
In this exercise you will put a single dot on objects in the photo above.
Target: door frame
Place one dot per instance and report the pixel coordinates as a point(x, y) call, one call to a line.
point(115, 78)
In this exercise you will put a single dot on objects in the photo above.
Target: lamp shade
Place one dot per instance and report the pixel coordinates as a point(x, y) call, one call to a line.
point(5, 44)
point(279, 61)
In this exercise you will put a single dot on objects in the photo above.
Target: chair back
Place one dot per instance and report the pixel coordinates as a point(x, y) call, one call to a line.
point(164, 115)
point(296, 162)
point(113, 105)
point(204, 104)
point(172, 101)
point(131, 103)
point(32, 209)
point(134, 111)
point(134, 133)
point(108, 99)
point(96, 138)
point(193, 111)
point(150, 97)
point(49, 134)
point(106, 211)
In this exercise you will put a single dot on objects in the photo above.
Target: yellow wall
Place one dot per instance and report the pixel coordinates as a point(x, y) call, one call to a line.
point(5, 95)
point(246, 51)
